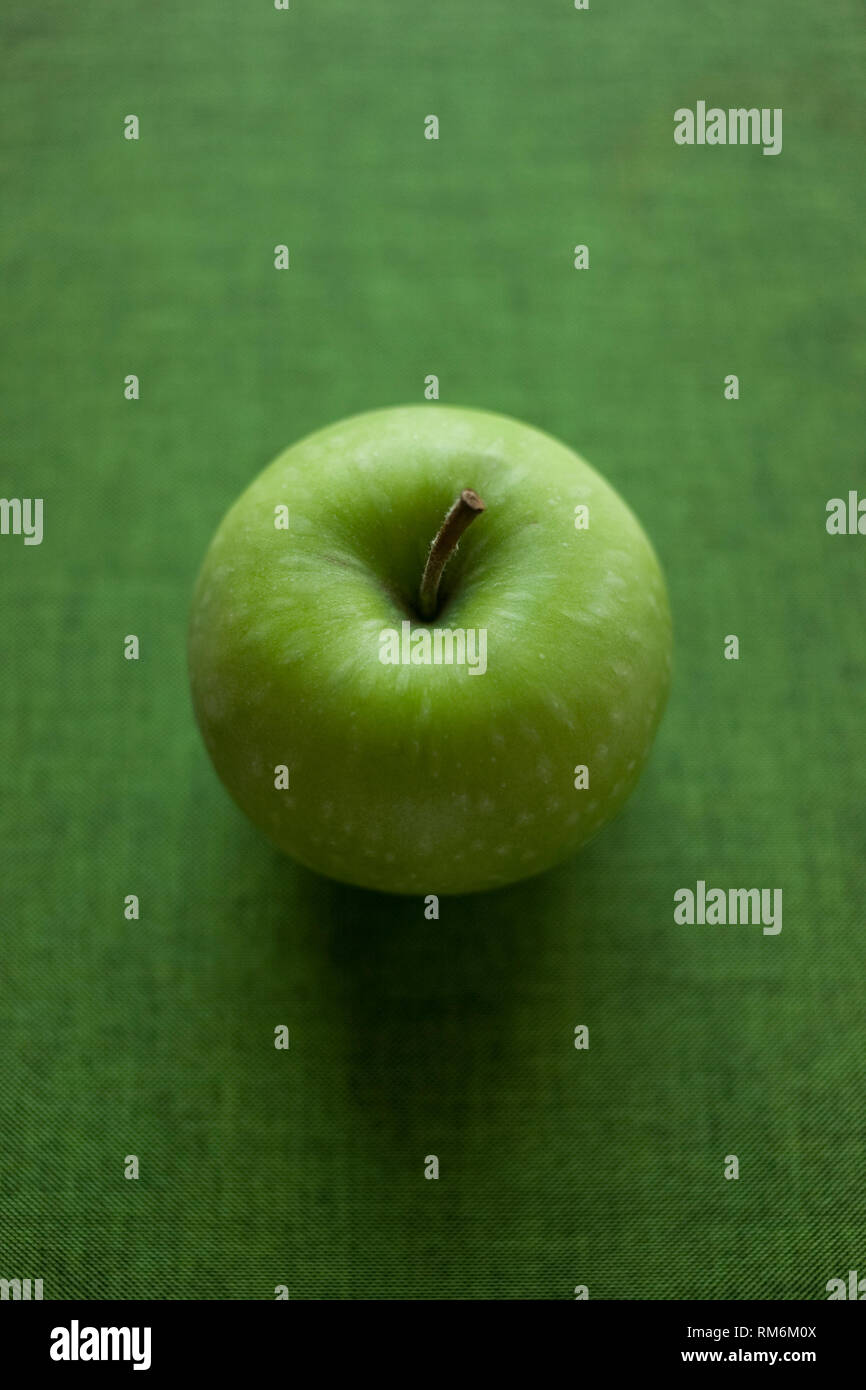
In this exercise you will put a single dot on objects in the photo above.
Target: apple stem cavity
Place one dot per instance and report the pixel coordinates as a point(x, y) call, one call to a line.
point(467, 507)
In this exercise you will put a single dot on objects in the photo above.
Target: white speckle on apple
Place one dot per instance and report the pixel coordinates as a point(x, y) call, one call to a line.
point(214, 706)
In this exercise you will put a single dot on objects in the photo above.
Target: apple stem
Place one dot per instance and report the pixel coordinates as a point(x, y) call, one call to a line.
point(467, 507)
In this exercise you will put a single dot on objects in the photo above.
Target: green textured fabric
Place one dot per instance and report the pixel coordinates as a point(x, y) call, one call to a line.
point(559, 1167)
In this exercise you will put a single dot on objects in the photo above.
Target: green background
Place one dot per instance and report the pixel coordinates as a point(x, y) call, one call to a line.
point(410, 1037)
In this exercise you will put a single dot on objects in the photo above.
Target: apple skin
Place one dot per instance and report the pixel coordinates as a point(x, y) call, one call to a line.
point(426, 779)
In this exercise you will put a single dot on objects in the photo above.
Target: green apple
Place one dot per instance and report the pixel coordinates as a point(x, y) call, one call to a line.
point(422, 720)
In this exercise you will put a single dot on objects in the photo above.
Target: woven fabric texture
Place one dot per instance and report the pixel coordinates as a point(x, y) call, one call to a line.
point(154, 1038)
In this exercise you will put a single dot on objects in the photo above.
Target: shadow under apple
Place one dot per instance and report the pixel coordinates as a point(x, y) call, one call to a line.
point(452, 1037)
point(433, 1013)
